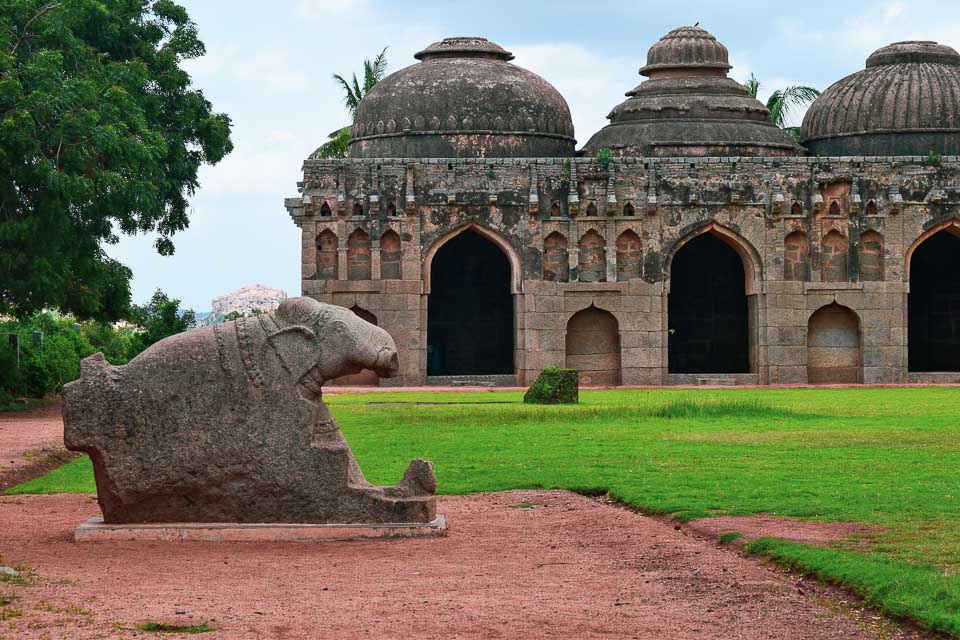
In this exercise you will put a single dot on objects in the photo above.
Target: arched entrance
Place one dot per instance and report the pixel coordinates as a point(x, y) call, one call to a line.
point(933, 306)
point(365, 378)
point(833, 346)
point(593, 347)
point(707, 311)
point(470, 309)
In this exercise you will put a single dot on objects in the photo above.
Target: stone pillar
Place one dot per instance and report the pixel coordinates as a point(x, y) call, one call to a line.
point(308, 251)
point(375, 257)
point(610, 237)
point(342, 264)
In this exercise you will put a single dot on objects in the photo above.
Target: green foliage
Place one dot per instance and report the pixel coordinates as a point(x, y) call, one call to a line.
point(604, 157)
point(783, 102)
point(48, 364)
point(338, 143)
point(554, 386)
point(100, 134)
point(160, 318)
point(934, 159)
point(903, 589)
point(729, 537)
point(491, 173)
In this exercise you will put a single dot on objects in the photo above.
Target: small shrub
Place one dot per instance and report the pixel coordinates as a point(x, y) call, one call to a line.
point(604, 157)
point(729, 537)
point(934, 159)
point(554, 386)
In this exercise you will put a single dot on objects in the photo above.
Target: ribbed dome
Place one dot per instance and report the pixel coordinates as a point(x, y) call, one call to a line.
point(463, 100)
point(689, 107)
point(686, 47)
point(906, 102)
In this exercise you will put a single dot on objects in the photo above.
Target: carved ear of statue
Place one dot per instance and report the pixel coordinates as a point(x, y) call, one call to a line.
point(298, 349)
point(297, 311)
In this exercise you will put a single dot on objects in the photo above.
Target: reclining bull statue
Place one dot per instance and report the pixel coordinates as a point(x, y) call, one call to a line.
point(226, 424)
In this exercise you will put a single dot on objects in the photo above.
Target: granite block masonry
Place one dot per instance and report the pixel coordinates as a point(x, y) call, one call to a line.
point(690, 241)
point(227, 424)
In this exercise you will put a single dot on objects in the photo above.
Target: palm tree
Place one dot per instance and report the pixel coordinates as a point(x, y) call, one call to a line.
point(782, 102)
point(338, 143)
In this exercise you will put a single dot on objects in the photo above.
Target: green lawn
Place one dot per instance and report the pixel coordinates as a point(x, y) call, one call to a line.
point(886, 457)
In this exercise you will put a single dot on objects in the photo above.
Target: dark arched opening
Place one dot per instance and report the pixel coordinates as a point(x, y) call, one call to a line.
point(470, 310)
point(934, 304)
point(707, 309)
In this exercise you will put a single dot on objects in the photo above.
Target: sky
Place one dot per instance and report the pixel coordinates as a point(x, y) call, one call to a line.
point(269, 65)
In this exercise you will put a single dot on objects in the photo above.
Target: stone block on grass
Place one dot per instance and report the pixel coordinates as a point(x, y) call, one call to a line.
point(554, 386)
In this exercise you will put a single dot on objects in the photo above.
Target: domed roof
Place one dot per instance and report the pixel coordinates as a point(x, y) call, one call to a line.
point(906, 102)
point(689, 107)
point(464, 99)
point(686, 47)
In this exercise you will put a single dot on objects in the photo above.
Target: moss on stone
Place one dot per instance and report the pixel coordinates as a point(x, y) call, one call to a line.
point(554, 386)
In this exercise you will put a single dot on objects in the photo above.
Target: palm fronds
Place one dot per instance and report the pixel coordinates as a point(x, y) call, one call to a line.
point(782, 102)
point(338, 145)
point(752, 86)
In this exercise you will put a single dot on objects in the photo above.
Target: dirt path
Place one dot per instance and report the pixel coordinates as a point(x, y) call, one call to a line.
point(522, 564)
point(31, 442)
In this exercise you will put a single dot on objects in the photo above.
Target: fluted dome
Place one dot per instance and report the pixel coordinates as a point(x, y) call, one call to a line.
point(906, 102)
point(464, 99)
point(689, 107)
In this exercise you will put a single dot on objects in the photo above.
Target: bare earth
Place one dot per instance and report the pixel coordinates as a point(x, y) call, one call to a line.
point(520, 564)
point(29, 441)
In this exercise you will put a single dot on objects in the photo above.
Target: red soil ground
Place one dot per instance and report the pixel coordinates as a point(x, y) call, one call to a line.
point(31, 442)
point(522, 564)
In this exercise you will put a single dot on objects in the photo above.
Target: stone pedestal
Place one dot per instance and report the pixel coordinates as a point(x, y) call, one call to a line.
point(95, 530)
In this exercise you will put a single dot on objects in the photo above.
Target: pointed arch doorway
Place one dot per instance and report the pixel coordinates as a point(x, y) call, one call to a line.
point(470, 316)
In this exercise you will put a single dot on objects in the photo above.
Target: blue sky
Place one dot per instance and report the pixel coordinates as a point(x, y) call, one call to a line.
point(268, 65)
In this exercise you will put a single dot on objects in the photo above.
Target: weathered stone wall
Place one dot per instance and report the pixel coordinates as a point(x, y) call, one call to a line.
point(810, 231)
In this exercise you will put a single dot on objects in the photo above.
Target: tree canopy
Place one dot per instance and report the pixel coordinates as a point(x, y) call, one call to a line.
point(101, 133)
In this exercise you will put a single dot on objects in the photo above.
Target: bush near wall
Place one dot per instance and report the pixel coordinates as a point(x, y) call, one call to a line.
point(554, 386)
point(49, 363)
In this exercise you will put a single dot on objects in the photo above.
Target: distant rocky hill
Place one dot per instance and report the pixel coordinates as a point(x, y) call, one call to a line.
point(244, 301)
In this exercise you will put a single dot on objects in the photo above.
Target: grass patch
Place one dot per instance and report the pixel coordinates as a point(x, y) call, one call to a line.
point(6, 613)
point(729, 537)
point(693, 408)
point(883, 457)
point(74, 477)
point(7, 598)
point(524, 505)
point(163, 627)
point(903, 589)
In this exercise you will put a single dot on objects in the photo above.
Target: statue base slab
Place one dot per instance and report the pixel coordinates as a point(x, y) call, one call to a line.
point(96, 530)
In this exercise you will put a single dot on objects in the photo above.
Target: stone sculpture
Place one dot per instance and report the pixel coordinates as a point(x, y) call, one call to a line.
point(226, 424)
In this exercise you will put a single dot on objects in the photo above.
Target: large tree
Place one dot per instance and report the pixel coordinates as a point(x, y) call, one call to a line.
point(338, 143)
point(101, 134)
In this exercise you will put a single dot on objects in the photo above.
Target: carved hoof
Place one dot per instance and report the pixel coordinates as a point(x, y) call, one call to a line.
point(419, 478)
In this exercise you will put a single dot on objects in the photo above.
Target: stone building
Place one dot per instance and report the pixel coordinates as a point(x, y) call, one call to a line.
point(689, 241)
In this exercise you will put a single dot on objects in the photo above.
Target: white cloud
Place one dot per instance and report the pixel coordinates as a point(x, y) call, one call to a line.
point(592, 83)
